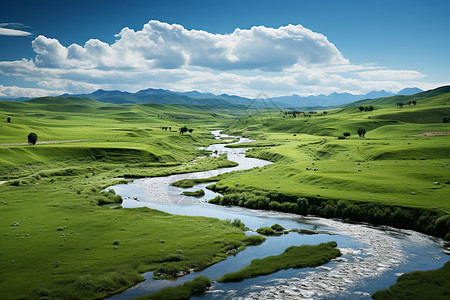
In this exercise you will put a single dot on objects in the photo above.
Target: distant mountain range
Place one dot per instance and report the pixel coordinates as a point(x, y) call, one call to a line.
point(163, 97)
point(197, 98)
point(336, 98)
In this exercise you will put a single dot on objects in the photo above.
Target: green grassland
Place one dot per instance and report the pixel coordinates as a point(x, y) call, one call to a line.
point(56, 242)
point(391, 166)
point(293, 257)
point(419, 285)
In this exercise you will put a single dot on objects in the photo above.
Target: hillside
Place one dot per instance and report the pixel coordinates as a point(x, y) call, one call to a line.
point(163, 97)
point(427, 95)
point(395, 164)
point(197, 98)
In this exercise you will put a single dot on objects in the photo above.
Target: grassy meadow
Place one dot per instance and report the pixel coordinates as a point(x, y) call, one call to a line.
point(56, 241)
point(394, 165)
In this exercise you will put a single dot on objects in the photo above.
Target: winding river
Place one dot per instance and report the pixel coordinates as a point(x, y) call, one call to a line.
point(372, 256)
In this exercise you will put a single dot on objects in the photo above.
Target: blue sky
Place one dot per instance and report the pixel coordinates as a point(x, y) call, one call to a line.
point(237, 47)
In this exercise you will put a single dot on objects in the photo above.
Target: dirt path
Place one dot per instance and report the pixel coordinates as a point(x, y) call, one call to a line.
point(433, 133)
point(43, 142)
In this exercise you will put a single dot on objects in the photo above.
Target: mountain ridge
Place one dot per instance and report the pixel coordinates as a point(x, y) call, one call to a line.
point(194, 97)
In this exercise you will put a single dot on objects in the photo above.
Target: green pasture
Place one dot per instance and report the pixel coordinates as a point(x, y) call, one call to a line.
point(57, 242)
point(55, 239)
point(390, 165)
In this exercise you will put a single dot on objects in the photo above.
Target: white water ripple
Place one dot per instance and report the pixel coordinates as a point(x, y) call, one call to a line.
point(382, 253)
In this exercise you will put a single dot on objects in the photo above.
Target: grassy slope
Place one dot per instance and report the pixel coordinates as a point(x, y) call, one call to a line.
point(66, 246)
point(389, 166)
point(293, 257)
point(419, 285)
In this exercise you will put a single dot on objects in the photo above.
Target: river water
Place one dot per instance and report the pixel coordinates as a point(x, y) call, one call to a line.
point(372, 256)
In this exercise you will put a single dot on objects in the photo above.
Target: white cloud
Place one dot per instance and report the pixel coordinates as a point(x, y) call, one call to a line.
point(391, 75)
point(164, 46)
point(11, 31)
point(285, 60)
point(16, 92)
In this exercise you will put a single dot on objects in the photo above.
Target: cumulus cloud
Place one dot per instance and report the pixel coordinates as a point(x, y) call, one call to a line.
point(4, 30)
point(285, 60)
point(167, 46)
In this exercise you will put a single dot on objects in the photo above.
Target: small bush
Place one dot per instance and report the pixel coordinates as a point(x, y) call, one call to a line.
point(277, 227)
point(254, 240)
point(265, 231)
point(361, 132)
point(15, 182)
point(32, 138)
point(231, 245)
point(199, 193)
point(237, 223)
point(346, 134)
point(116, 242)
point(173, 257)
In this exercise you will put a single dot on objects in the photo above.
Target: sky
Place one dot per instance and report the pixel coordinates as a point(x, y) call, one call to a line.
point(236, 47)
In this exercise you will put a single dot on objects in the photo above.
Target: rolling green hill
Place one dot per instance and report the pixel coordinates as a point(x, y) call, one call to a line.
point(402, 162)
point(56, 237)
point(432, 97)
point(63, 244)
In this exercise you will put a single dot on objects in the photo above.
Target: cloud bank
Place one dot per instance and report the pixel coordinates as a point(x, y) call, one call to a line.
point(285, 60)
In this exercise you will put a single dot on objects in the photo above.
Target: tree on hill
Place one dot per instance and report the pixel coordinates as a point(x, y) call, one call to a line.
point(346, 134)
point(183, 130)
point(8, 120)
point(361, 132)
point(32, 138)
point(445, 120)
point(365, 108)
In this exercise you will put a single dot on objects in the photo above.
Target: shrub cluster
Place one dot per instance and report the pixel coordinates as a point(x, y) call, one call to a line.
point(253, 240)
point(237, 223)
point(109, 197)
point(429, 221)
point(265, 231)
point(262, 200)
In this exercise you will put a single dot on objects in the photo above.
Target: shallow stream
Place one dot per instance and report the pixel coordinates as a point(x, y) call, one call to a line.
point(372, 256)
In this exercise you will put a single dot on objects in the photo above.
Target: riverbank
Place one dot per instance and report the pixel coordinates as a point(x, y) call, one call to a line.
point(386, 252)
point(55, 240)
point(434, 284)
point(433, 222)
